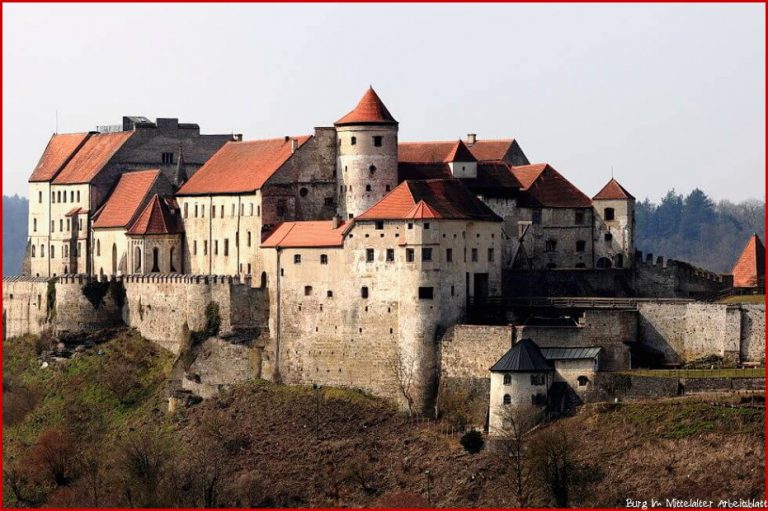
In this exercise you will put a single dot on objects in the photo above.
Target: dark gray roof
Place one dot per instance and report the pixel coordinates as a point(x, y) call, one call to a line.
point(570, 353)
point(523, 357)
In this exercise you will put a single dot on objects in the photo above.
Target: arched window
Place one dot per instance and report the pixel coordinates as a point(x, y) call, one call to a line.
point(137, 260)
point(603, 263)
point(263, 280)
point(507, 399)
point(170, 260)
point(33, 251)
point(155, 259)
point(42, 250)
point(507, 379)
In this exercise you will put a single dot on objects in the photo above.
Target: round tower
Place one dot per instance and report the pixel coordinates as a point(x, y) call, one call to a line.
point(366, 165)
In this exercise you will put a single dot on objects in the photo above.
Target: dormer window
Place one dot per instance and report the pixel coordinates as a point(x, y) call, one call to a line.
point(167, 158)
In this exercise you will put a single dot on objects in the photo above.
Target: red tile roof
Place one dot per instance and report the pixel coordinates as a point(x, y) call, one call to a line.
point(74, 211)
point(92, 157)
point(613, 191)
point(369, 110)
point(59, 150)
point(544, 187)
point(316, 233)
point(460, 153)
point(240, 167)
point(434, 152)
point(437, 198)
point(123, 203)
point(491, 150)
point(160, 216)
point(749, 270)
point(494, 179)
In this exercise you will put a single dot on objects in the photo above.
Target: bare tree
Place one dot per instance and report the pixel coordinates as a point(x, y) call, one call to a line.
point(555, 463)
point(402, 366)
point(512, 443)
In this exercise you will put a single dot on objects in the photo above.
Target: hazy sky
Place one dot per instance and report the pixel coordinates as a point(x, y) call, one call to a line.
point(669, 95)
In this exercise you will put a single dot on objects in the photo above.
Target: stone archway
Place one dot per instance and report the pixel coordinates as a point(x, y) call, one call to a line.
point(603, 263)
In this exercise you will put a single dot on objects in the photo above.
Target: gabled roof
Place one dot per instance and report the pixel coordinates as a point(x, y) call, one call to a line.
point(125, 200)
point(437, 152)
point(523, 357)
point(494, 179)
point(160, 216)
point(59, 150)
point(319, 233)
point(613, 191)
point(240, 167)
point(442, 199)
point(543, 186)
point(749, 270)
point(74, 211)
point(369, 110)
point(460, 153)
point(91, 158)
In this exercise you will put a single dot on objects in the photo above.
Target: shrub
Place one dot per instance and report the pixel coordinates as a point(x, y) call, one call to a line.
point(54, 456)
point(472, 441)
point(18, 401)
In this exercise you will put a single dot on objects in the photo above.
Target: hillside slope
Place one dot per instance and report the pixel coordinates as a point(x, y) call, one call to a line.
point(94, 431)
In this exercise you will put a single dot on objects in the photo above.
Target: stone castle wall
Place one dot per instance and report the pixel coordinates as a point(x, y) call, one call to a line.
point(688, 331)
point(24, 306)
point(160, 305)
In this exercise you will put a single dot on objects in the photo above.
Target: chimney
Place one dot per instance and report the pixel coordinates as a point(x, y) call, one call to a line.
point(471, 138)
point(336, 221)
point(294, 145)
point(237, 137)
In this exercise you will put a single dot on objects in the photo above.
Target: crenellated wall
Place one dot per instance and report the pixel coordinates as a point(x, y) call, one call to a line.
point(160, 305)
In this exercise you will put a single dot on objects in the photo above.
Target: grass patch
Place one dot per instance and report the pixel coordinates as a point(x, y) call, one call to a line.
point(750, 299)
point(753, 372)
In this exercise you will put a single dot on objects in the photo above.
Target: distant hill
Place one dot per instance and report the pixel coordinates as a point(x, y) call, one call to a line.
point(695, 229)
point(15, 211)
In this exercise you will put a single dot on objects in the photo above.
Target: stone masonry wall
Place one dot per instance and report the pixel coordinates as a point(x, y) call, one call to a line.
point(24, 306)
point(689, 331)
point(159, 306)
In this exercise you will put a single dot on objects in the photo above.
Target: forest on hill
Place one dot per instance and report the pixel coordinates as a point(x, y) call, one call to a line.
point(690, 228)
point(695, 229)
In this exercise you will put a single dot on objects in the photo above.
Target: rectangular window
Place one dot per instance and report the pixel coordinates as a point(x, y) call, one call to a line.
point(186, 210)
point(34, 224)
point(65, 196)
point(364, 292)
point(390, 254)
point(328, 201)
point(297, 259)
point(194, 247)
point(377, 140)
point(379, 226)
point(40, 197)
point(77, 254)
point(53, 225)
point(536, 216)
point(258, 210)
point(221, 211)
point(581, 246)
point(538, 379)
point(369, 255)
point(71, 196)
point(474, 255)
point(80, 224)
point(205, 247)
point(61, 224)
point(68, 229)
point(250, 209)
point(226, 247)
point(550, 245)
point(53, 252)
point(307, 290)
point(166, 158)
point(213, 211)
point(426, 293)
point(608, 236)
point(410, 225)
point(448, 255)
point(323, 259)
point(233, 210)
point(353, 141)
point(78, 196)
point(426, 225)
point(195, 210)
point(490, 255)
point(609, 214)
point(409, 255)
point(242, 209)
point(281, 207)
point(215, 247)
point(579, 217)
point(426, 254)
point(249, 238)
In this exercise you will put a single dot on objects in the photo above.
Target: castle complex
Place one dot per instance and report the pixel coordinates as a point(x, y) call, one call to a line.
point(348, 256)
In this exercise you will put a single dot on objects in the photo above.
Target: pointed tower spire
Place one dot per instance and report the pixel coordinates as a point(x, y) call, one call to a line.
point(180, 176)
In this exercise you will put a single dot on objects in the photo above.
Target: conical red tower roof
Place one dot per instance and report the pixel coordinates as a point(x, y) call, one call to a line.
point(370, 110)
point(749, 270)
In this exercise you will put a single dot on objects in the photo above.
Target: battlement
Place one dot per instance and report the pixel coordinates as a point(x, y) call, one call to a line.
point(177, 278)
point(682, 267)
